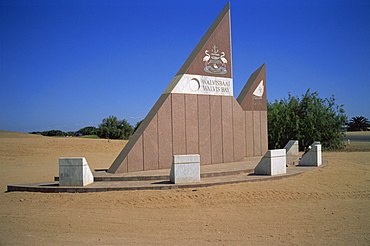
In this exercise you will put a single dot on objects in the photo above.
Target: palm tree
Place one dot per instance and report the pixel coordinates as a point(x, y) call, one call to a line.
point(358, 123)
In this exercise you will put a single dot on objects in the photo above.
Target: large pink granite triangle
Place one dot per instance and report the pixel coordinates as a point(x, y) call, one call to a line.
point(197, 113)
point(212, 55)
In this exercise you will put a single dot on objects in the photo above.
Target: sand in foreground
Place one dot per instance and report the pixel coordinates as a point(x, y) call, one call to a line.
point(324, 207)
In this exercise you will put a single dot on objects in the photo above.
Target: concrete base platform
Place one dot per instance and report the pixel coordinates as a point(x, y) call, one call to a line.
point(218, 174)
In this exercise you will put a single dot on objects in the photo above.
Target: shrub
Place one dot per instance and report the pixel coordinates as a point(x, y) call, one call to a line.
point(306, 119)
point(113, 128)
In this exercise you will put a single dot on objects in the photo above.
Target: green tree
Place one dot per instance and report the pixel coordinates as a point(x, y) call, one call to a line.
point(127, 128)
point(113, 128)
point(54, 133)
point(37, 133)
point(89, 130)
point(358, 123)
point(306, 119)
point(70, 133)
point(51, 133)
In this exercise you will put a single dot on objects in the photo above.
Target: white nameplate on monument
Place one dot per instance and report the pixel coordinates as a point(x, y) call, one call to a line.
point(197, 84)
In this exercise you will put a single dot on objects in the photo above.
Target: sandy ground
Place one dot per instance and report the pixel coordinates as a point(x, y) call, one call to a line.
point(328, 206)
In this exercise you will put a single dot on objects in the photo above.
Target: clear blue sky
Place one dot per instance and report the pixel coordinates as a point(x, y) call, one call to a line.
point(68, 64)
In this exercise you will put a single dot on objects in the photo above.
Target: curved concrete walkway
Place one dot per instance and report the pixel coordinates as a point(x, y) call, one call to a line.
point(218, 174)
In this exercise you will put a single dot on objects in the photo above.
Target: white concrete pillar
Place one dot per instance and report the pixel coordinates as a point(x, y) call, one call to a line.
point(272, 163)
point(292, 147)
point(185, 169)
point(313, 156)
point(74, 171)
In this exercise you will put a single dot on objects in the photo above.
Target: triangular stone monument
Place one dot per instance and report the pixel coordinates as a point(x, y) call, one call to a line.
point(198, 114)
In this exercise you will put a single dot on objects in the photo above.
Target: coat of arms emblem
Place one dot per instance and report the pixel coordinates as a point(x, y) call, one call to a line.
point(215, 63)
